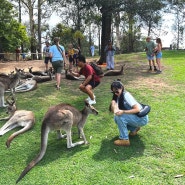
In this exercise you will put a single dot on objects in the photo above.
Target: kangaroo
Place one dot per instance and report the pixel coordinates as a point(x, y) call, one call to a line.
point(40, 79)
point(71, 77)
point(9, 82)
point(16, 118)
point(114, 72)
point(62, 116)
point(41, 73)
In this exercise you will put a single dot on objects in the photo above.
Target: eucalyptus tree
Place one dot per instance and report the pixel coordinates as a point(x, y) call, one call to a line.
point(37, 11)
point(150, 13)
point(12, 33)
point(177, 7)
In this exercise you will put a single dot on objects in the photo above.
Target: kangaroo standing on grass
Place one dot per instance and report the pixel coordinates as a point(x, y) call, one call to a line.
point(62, 116)
point(17, 118)
point(9, 82)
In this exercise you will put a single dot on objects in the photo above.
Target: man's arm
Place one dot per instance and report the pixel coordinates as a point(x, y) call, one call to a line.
point(73, 73)
point(87, 80)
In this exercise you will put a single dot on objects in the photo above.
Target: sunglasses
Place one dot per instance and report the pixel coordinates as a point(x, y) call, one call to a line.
point(115, 92)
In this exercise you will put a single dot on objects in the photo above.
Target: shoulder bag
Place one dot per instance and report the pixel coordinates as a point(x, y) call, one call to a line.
point(144, 111)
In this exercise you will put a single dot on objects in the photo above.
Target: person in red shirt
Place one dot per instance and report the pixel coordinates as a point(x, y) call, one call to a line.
point(91, 79)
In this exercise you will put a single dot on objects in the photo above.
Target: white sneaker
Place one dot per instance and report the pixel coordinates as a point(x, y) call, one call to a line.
point(91, 102)
point(87, 99)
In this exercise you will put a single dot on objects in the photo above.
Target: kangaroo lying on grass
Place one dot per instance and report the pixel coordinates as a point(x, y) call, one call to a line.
point(9, 82)
point(62, 116)
point(17, 118)
point(114, 72)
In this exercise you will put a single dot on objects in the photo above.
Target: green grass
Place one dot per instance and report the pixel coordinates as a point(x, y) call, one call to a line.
point(155, 156)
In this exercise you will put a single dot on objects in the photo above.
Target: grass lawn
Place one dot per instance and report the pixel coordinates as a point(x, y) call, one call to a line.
point(156, 155)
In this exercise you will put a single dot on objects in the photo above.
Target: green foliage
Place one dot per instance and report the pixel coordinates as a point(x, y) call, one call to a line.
point(12, 33)
point(156, 155)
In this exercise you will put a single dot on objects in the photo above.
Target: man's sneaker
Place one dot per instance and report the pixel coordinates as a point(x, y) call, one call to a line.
point(122, 142)
point(134, 133)
point(91, 102)
point(155, 69)
point(87, 99)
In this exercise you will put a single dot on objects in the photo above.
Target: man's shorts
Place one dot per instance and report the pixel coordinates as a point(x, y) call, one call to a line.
point(47, 59)
point(149, 57)
point(58, 66)
point(93, 84)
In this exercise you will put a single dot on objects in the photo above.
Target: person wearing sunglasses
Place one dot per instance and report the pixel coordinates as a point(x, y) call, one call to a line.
point(125, 109)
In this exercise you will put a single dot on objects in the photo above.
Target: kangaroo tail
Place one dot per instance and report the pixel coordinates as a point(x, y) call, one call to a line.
point(44, 139)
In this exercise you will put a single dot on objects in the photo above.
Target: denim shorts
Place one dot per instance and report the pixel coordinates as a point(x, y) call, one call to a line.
point(159, 55)
point(58, 66)
point(149, 57)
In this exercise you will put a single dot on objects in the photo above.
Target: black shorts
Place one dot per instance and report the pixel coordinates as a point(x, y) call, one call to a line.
point(71, 59)
point(47, 59)
point(93, 84)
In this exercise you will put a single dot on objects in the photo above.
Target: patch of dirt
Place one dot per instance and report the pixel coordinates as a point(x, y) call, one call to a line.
point(134, 72)
point(8, 67)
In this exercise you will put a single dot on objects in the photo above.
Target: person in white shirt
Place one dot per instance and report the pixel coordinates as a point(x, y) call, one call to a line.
point(125, 109)
point(47, 58)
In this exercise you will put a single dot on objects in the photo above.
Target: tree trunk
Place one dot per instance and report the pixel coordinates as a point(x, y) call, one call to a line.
point(117, 23)
point(106, 31)
point(39, 49)
point(130, 34)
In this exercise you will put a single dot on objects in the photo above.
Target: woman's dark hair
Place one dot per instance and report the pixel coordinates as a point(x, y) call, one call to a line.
point(117, 85)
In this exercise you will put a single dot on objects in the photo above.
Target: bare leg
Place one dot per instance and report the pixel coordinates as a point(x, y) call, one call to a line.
point(88, 90)
point(158, 61)
point(58, 79)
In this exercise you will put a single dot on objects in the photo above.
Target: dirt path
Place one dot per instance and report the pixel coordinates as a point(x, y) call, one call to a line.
point(7, 67)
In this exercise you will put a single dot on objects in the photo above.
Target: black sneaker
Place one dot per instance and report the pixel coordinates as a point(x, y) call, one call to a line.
point(158, 71)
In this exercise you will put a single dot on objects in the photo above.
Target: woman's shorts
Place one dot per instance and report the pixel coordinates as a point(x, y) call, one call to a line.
point(58, 66)
point(159, 55)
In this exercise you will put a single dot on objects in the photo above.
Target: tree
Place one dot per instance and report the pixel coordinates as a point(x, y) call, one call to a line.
point(177, 7)
point(149, 12)
point(12, 33)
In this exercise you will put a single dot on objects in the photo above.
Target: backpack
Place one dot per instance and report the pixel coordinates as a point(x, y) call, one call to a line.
point(98, 70)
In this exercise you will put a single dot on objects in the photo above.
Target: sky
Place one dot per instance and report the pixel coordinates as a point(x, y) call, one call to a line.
point(167, 25)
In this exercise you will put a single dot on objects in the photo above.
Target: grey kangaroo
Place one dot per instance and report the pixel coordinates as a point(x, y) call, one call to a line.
point(16, 118)
point(9, 82)
point(61, 117)
point(114, 72)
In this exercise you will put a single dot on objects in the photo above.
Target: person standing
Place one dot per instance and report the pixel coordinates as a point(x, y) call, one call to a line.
point(47, 58)
point(18, 52)
point(125, 107)
point(150, 46)
point(91, 79)
point(71, 55)
point(57, 53)
point(92, 48)
point(110, 51)
point(158, 52)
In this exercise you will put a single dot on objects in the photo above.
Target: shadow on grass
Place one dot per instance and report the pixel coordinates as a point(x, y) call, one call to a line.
point(119, 153)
